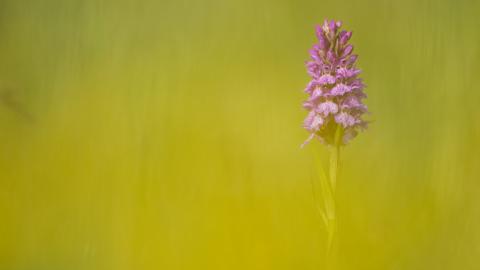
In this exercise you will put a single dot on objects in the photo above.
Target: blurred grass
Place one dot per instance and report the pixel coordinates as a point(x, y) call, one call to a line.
point(165, 135)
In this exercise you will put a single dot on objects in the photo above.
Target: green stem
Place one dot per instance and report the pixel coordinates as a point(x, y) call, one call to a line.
point(334, 155)
point(333, 173)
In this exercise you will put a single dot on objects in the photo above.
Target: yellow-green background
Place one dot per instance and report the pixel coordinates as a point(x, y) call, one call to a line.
point(165, 135)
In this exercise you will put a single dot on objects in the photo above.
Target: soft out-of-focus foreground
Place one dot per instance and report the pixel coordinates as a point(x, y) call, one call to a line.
point(165, 135)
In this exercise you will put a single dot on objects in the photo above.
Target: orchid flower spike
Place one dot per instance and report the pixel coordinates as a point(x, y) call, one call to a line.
point(335, 90)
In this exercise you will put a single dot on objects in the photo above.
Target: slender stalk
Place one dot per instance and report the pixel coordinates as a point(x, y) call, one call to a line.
point(333, 173)
point(334, 156)
point(327, 187)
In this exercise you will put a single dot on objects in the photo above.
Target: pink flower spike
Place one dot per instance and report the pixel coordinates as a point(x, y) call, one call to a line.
point(335, 92)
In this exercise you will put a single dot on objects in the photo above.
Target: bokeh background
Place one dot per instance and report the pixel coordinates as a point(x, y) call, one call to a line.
point(165, 134)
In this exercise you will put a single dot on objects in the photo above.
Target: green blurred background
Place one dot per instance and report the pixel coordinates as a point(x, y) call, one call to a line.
point(165, 135)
